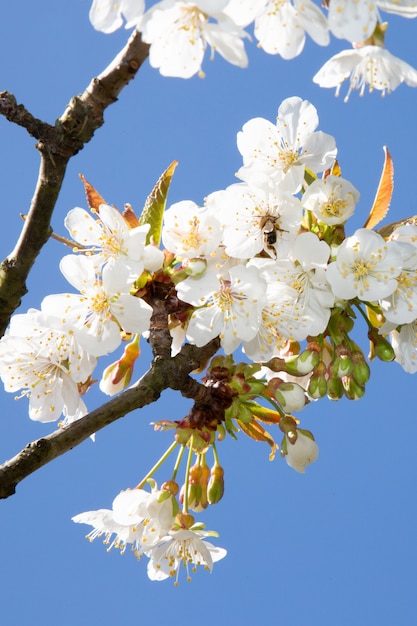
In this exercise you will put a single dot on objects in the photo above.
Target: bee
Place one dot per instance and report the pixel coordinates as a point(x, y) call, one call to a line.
point(269, 227)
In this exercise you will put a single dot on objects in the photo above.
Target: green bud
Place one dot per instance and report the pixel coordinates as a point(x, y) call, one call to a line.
point(361, 370)
point(334, 388)
point(353, 390)
point(380, 347)
point(215, 489)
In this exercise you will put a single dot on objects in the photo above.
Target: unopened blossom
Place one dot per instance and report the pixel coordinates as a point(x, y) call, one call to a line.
point(102, 308)
point(256, 219)
point(369, 65)
point(280, 153)
point(356, 21)
point(109, 237)
point(281, 27)
point(46, 365)
point(190, 231)
point(332, 200)
point(107, 15)
point(229, 305)
point(401, 306)
point(182, 548)
point(366, 267)
point(404, 342)
point(302, 452)
point(179, 33)
point(135, 520)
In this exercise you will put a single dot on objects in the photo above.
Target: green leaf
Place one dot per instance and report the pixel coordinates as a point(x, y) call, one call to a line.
point(154, 208)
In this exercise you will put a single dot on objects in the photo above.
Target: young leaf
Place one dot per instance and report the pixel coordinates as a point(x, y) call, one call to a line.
point(154, 208)
point(94, 199)
point(383, 194)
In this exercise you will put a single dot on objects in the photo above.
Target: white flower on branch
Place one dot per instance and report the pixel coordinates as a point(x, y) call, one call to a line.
point(138, 519)
point(109, 237)
point(281, 153)
point(103, 307)
point(229, 305)
point(256, 219)
point(282, 25)
point(369, 65)
point(366, 267)
point(332, 200)
point(179, 33)
point(356, 21)
point(190, 231)
point(47, 365)
point(182, 547)
point(107, 15)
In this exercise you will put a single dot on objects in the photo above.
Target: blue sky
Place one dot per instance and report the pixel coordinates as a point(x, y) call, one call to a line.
point(334, 547)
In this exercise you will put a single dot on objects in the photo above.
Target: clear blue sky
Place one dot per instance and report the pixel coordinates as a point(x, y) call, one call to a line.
point(335, 547)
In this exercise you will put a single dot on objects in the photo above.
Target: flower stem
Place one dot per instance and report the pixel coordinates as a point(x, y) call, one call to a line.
point(157, 465)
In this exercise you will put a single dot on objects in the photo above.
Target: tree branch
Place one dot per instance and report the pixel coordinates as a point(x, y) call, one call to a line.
point(57, 144)
point(164, 373)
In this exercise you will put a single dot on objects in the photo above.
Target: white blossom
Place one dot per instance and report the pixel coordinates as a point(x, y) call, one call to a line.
point(404, 342)
point(187, 548)
point(229, 305)
point(332, 200)
point(179, 33)
point(137, 519)
point(109, 237)
point(103, 306)
point(107, 15)
point(256, 219)
point(366, 267)
point(356, 21)
point(281, 153)
point(281, 26)
point(299, 298)
point(47, 365)
point(190, 231)
point(369, 65)
point(401, 306)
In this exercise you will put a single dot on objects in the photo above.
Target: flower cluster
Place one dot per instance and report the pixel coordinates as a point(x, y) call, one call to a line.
point(179, 32)
point(148, 524)
point(265, 265)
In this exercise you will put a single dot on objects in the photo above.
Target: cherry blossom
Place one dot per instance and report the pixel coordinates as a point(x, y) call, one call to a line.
point(182, 547)
point(107, 15)
point(401, 306)
point(179, 33)
point(190, 231)
point(110, 237)
point(47, 365)
point(281, 26)
point(104, 306)
point(332, 200)
point(366, 267)
point(281, 153)
point(404, 342)
point(229, 305)
point(369, 65)
point(255, 219)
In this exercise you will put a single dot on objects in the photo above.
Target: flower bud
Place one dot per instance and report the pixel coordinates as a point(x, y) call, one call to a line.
point(288, 395)
point(302, 451)
point(317, 385)
point(342, 365)
point(334, 388)
point(117, 375)
point(215, 488)
point(380, 347)
point(353, 390)
point(361, 370)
